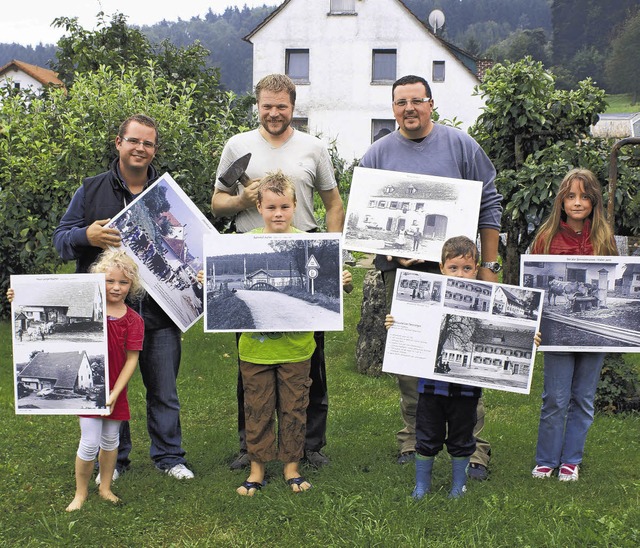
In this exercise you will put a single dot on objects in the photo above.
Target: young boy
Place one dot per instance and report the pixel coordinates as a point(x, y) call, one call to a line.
point(443, 407)
point(275, 366)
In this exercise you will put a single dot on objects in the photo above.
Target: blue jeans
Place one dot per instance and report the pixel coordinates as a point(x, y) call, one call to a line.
point(570, 383)
point(159, 364)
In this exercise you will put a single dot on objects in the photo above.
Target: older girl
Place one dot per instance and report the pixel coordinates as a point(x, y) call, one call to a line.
point(576, 226)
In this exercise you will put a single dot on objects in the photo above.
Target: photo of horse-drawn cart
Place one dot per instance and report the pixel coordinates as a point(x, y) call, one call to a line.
point(590, 303)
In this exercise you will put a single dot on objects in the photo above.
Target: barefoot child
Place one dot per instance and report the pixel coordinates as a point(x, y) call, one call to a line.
point(576, 226)
point(443, 407)
point(125, 331)
point(275, 366)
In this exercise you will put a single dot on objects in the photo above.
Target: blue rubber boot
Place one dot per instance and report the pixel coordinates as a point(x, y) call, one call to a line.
point(459, 467)
point(424, 465)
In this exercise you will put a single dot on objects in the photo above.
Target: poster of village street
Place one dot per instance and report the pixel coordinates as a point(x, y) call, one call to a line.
point(591, 304)
point(463, 331)
point(59, 344)
point(408, 214)
point(162, 229)
point(273, 282)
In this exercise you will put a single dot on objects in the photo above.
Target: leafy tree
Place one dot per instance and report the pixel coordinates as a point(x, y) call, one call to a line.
point(623, 64)
point(48, 144)
point(113, 44)
point(519, 44)
point(585, 26)
point(533, 134)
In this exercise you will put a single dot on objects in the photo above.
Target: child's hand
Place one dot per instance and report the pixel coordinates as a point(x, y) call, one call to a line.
point(200, 276)
point(347, 278)
point(537, 339)
point(388, 321)
point(10, 295)
point(110, 403)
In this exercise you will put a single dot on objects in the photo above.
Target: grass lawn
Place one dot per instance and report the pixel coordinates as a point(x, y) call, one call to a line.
point(620, 103)
point(361, 499)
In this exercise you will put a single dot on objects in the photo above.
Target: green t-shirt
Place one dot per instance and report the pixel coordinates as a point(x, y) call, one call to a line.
point(273, 348)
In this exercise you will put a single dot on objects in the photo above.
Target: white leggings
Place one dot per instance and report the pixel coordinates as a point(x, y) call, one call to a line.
point(97, 433)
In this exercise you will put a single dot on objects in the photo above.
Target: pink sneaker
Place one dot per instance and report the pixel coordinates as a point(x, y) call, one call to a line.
point(542, 471)
point(568, 472)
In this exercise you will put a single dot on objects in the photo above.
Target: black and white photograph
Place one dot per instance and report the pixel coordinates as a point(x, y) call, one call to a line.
point(463, 331)
point(162, 230)
point(407, 214)
point(516, 302)
point(591, 304)
point(414, 285)
point(477, 352)
point(59, 344)
point(273, 282)
point(466, 294)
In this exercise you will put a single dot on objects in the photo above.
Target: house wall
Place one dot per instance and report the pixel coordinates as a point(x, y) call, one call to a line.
point(18, 77)
point(85, 375)
point(340, 101)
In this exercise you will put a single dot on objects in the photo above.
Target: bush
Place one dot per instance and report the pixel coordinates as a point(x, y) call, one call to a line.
point(48, 144)
point(619, 387)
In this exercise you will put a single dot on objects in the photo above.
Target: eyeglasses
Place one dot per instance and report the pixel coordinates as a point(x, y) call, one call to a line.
point(414, 102)
point(135, 142)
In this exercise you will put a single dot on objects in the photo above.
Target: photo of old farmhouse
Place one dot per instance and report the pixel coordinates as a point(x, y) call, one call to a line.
point(590, 303)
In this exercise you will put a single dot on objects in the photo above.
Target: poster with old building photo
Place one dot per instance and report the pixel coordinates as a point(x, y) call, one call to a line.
point(463, 331)
point(59, 344)
point(408, 214)
point(591, 304)
point(273, 282)
point(162, 230)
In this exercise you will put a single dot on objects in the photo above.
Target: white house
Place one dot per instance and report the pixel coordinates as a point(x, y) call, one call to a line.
point(21, 75)
point(67, 371)
point(344, 55)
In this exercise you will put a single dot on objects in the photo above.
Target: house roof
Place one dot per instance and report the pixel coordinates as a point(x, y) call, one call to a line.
point(417, 192)
point(179, 248)
point(630, 271)
point(469, 60)
point(274, 273)
point(511, 297)
point(77, 297)
point(514, 339)
point(41, 74)
point(62, 367)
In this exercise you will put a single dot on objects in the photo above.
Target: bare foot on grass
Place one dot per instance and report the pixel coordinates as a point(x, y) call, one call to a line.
point(108, 495)
point(76, 503)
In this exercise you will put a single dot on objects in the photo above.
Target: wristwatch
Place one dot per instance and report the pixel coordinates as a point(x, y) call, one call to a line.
point(494, 266)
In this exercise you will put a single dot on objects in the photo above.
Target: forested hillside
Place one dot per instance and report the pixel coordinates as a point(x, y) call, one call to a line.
point(571, 37)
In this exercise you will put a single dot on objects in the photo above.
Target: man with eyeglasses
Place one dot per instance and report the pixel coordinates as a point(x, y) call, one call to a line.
point(82, 235)
point(422, 146)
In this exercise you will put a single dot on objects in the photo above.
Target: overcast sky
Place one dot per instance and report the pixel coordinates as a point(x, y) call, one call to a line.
point(29, 23)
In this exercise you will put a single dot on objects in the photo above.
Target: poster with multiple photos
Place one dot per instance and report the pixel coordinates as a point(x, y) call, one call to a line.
point(162, 229)
point(591, 304)
point(409, 214)
point(59, 336)
point(463, 331)
point(273, 282)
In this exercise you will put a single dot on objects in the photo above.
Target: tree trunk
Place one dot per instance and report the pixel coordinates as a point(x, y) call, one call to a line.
point(371, 331)
point(511, 262)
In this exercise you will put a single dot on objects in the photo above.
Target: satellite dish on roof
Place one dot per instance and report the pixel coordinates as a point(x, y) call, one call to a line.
point(436, 20)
